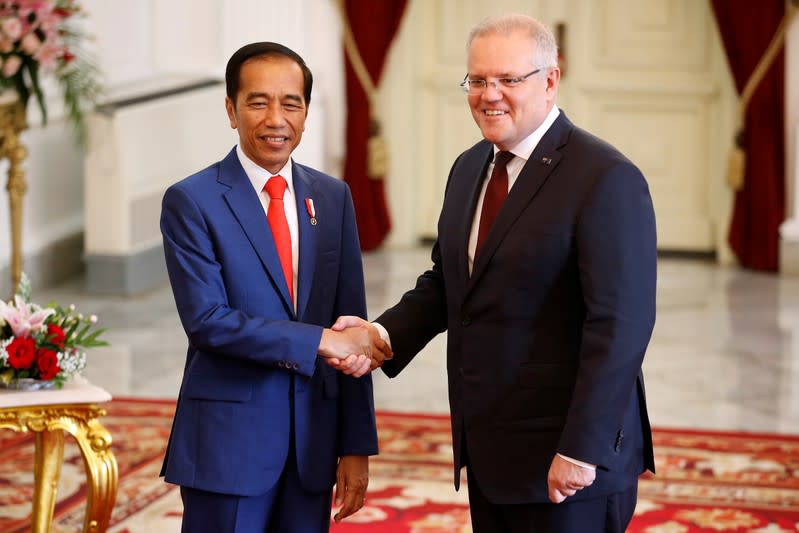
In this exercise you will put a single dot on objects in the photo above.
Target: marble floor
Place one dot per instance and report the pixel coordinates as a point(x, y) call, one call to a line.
point(724, 353)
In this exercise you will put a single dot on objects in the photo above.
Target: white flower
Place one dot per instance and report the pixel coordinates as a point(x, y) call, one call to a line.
point(3, 352)
point(71, 361)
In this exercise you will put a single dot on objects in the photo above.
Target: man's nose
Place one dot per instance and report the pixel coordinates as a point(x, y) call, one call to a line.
point(274, 116)
point(492, 92)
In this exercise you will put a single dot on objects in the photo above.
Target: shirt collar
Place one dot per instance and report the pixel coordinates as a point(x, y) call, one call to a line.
point(525, 148)
point(259, 176)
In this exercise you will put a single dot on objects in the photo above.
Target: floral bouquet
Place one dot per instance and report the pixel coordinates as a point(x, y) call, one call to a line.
point(40, 36)
point(42, 343)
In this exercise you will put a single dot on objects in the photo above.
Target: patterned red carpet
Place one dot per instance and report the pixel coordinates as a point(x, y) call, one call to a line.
point(707, 481)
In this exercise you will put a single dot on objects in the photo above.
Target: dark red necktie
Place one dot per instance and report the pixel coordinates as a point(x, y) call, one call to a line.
point(496, 192)
point(276, 214)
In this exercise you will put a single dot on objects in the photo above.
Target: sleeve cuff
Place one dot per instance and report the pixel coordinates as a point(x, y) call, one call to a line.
point(383, 333)
point(578, 463)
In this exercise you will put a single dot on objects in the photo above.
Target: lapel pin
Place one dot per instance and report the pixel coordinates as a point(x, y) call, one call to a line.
point(311, 211)
point(546, 160)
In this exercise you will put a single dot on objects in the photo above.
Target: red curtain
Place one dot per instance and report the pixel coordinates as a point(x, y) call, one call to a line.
point(746, 30)
point(374, 24)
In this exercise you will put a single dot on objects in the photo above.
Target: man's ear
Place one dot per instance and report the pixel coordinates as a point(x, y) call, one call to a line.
point(230, 107)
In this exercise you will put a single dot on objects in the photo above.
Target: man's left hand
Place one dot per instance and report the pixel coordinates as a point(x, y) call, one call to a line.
point(566, 478)
point(352, 478)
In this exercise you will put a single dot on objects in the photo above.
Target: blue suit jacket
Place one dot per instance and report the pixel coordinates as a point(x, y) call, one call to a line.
point(546, 337)
point(250, 355)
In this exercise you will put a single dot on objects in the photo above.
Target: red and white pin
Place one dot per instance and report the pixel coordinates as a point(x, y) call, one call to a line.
point(311, 210)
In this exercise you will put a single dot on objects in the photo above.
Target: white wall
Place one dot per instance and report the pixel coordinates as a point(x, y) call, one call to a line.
point(146, 39)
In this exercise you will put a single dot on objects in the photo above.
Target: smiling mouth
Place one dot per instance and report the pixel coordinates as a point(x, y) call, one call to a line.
point(274, 139)
point(494, 112)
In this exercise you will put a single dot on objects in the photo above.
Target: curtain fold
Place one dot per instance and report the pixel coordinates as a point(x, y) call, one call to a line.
point(374, 25)
point(746, 30)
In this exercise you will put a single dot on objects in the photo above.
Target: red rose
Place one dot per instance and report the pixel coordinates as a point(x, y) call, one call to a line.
point(56, 335)
point(47, 361)
point(21, 353)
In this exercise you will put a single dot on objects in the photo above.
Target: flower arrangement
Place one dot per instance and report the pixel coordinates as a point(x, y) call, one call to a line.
point(40, 36)
point(43, 343)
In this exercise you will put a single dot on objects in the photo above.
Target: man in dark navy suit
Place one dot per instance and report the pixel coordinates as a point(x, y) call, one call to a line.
point(543, 276)
point(263, 254)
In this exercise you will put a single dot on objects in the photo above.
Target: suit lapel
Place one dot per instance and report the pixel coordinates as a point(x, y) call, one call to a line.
point(479, 159)
point(309, 235)
point(539, 167)
point(248, 210)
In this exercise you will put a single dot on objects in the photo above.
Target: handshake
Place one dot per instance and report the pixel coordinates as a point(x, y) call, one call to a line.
point(353, 346)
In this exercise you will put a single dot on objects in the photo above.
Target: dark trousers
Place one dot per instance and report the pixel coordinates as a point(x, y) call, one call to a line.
point(287, 507)
point(609, 514)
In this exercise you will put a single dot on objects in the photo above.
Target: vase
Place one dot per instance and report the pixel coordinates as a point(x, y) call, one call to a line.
point(27, 384)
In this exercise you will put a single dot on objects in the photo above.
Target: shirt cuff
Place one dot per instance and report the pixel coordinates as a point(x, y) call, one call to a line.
point(578, 463)
point(383, 333)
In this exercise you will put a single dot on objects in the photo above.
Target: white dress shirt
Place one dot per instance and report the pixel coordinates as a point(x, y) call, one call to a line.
point(258, 177)
point(522, 153)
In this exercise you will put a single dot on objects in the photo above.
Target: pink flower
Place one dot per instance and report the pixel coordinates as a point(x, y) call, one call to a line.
point(6, 44)
point(49, 21)
point(22, 317)
point(11, 27)
point(30, 43)
point(47, 55)
point(11, 66)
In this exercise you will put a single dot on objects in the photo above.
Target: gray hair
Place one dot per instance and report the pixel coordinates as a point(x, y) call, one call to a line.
point(546, 49)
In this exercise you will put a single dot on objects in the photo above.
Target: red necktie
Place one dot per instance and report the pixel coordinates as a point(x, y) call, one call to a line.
point(276, 214)
point(496, 192)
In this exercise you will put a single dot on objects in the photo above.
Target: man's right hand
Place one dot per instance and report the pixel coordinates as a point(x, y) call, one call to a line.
point(355, 349)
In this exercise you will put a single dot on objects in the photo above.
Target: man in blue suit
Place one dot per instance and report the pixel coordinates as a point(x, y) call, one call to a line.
point(265, 424)
point(543, 277)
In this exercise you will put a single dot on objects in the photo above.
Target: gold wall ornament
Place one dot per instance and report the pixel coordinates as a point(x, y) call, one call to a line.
point(12, 122)
point(49, 422)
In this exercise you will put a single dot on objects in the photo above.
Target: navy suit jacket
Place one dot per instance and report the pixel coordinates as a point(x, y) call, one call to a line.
point(546, 337)
point(252, 360)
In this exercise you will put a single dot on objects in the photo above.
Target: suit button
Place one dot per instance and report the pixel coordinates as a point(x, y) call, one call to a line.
point(295, 366)
point(466, 320)
point(281, 364)
point(619, 439)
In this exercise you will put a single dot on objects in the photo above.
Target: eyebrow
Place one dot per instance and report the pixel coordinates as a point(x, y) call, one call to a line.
point(498, 76)
point(293, 97)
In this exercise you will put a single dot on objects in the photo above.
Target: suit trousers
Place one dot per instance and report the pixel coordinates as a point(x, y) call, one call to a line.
point(286, 507)
point(609, 514)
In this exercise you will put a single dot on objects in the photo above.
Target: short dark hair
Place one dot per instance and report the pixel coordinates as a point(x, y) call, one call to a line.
point(264, 49)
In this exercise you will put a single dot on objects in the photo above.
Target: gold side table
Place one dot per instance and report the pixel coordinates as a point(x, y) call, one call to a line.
point(73, 409)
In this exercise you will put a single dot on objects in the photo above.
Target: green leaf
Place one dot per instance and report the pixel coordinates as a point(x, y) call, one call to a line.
point(33, 70)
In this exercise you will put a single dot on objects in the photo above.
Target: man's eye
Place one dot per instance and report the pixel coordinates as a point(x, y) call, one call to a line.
point(257, 105)
point(509, 82)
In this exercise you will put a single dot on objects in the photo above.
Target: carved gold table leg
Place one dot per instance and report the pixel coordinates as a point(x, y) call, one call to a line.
point(79, 420)
point(47, 470)
point(101, 475)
